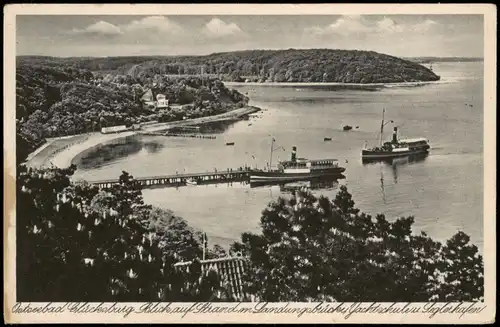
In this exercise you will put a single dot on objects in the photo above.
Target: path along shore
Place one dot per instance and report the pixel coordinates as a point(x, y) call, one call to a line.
point(59, 152)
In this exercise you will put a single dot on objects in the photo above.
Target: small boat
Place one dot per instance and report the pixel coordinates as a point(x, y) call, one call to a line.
point(327, 138)
point(396, 147)
point(191, 181)
point(230, 143)
point(250, 124)
point(347, 128)
point(297, 169)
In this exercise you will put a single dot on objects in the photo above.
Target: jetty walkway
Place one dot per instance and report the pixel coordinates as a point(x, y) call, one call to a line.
point(226, 176)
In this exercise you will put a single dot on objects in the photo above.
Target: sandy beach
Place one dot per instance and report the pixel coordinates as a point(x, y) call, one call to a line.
point(59, 152)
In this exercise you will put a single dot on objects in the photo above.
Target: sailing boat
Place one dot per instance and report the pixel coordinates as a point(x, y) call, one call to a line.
point(297, 168)
point(396, 147)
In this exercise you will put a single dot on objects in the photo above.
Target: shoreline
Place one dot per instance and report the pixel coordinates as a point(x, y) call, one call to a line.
point(63, 154)
point(233, 114)
point(332, 83)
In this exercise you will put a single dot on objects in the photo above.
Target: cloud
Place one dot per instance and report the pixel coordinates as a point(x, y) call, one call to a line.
point(359, 25)
point(148, 29)
point(99, 28)
point(388, 25)
point(425, 26)
point(159, 24)
point(218, 28)
point(349, 25)
point(345, 25)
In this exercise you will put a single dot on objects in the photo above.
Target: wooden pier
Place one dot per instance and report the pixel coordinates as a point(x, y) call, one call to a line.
point(226, 176)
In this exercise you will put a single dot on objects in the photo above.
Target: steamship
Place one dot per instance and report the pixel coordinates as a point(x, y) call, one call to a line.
point(297, 169)
point(396, 147)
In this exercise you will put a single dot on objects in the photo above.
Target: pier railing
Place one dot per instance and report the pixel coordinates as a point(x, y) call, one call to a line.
point(226, 176)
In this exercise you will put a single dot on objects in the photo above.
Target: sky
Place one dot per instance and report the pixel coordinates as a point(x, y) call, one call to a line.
point(119, 35)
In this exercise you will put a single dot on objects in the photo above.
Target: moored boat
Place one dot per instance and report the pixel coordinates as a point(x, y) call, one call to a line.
point(297, 169)
point(396, 147)
point(191, 181)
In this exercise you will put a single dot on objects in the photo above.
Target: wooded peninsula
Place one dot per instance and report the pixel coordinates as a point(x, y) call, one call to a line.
point(311, 65)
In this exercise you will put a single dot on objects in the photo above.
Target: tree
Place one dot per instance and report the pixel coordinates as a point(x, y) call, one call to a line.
point(314, 249)
point(78, 243)
point(235, 76)
point(463, 273)
point(216, 252)
point(175, 236)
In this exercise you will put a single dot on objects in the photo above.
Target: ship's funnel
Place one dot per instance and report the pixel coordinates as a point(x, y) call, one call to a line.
point(395, 135)
point(294, 153)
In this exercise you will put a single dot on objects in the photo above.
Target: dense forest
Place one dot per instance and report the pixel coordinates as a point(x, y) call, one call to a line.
point(78, 243)
point(58, 99)
point(312, 65)
point(313, 249)
point(309, 249)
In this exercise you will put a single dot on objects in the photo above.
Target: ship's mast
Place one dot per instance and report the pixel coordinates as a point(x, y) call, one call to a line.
point(382, 126)
point(271, 158)
point(272, 150)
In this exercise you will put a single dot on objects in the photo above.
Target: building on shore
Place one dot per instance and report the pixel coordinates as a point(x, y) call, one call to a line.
point(148, 99)
point(114, 129)
point(161, 101)
point(229, 269)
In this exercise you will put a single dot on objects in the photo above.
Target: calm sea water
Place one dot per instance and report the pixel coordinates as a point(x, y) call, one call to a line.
point(444, 192)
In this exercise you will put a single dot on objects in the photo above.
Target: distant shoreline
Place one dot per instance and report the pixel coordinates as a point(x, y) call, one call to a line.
point(327, 83)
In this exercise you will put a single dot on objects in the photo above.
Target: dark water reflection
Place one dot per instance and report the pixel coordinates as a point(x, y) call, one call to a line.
point(217, 127)
point(318, 183)
point(394, 164)
point(115, 150)
point(118, 149)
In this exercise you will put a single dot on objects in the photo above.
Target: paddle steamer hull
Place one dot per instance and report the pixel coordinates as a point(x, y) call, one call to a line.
point(269, 176)
point(369, 154)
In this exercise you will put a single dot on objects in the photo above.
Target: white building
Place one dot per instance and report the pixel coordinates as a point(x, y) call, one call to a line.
point(161, 101)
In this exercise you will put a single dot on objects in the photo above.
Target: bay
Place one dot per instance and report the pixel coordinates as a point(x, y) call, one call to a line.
point(444, 192)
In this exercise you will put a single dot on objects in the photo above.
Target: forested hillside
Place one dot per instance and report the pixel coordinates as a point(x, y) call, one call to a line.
point(58, 99)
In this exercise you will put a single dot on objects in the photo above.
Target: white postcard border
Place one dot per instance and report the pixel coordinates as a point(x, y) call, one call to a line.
point(486, 315)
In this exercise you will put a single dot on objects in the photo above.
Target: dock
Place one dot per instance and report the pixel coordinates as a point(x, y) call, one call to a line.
point(215, 177)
